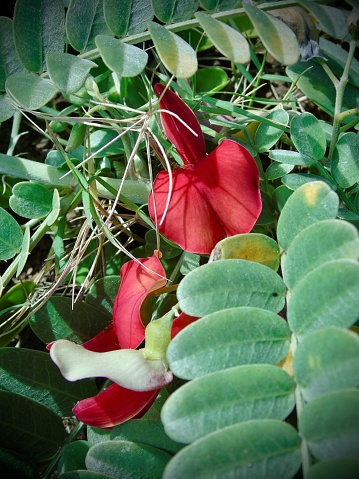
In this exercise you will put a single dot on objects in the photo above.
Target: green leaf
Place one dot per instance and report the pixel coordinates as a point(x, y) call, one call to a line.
point(277, 38)
point(230, 42)
point(326, 360)
point(277, 170)
point(127, 18)
point(126, 60)
point(337, 57)
point(230, 283)
point(31, 200)
point(345, 468)
point(32, 374)
point(318, 243)
point(296, 180)
point(17, 294)
point(68, 72)
point(224, 398)
point(7, 108)
point(106, 143)
point(231, 337)
point(96, 435)
point(330, 425)
point(265, 448)
point(289, 157)
point(28, 428)
point(58, 320)
point(73, 457)
point(210, 80)
point(127, 459)
point(29, 90)
point(281, 195)
point(171, 11)
point(310, 203)
point(219, 5)
point(331, 20)
point(24, 252)
point(145, 431)
point(308, 136)
point(326, 296)
point(345, 162)
point(10, 236)
point(84, 24)
point(38, 29)
point(102, 293)
point(318, 87)
point(15, 465)
point(267, 135)
point(251, 246)
point(9, 59)
point(177, 55)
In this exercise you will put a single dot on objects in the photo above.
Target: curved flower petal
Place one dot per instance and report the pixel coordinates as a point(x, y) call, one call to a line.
point(181, 322)
point(128, 368)
point(138, 278)
point(190, 147)
point(217, 197)
point(105, 340)
point(113, 406)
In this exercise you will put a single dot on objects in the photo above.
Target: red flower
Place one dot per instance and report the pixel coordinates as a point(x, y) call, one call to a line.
point(137, 380)
point(213, 196)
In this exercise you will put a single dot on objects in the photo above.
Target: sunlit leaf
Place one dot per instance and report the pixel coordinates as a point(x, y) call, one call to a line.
point(266, 135)
point(38, 29)
point(326, 360)
point(170, 11)
point(32, 374)
point(68, 72)
point(345, 161)
point(277, 170)
point(73, 456)
point(268, 448)
point(308, 135)
point(29, 90)
point(127, 18)
point(250, 246)
point(10, 236)
point(330, 425)
point(29, 428)
point(326, 296)
point(289, 157)
point(177, 55)
point(127, 459)
point(230, 283)
point(126, 60)
point(31, 200)
point(278, 39)
point(210, 80)
point(230, 42)
point(231, 337)
point(318, 243)
point(224, 398)
point(312, 202)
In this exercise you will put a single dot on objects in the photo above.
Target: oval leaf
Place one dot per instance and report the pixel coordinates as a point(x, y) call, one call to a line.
point(318, 243)
point(177, 55)
point(127, 18)
point(327, 360)
point(171, 11)
point(252, 246)
point(267, 135)
point(345, 162)
point(308, 135)
point(127, 459)
point(31, 200)
point(331, 20)
point(29, 428)
point(9, 59)
point(278, 39)
point(7, 108)
point(38, 29)
point(311, 202)
point(224, 398)
point(126, 60)
point(330, 425)
point(10, 236)
point(327, 296)
point(227, 40)
point(230, 283)
point(29, 90)
point(68, 72)
point(268, 448)
point(230, 338)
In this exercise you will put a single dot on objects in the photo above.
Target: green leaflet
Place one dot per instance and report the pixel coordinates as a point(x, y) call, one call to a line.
point(68, 72)
point(127, 18)
point(31, 200)
point(10, 236)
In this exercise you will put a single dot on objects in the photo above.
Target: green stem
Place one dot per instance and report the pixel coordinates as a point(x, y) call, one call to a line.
point(15, 135)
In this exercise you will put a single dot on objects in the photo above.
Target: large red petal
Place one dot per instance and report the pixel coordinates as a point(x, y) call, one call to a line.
point(138, 278)
point(181, 322)
point(113, 406)
point(105, 340)
point(217, 197)
point(191, 148)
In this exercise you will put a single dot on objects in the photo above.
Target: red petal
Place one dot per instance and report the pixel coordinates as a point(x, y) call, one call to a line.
point(105, 340)
point(113, 406)
point(191, 148)
point(181, 322)
point(137, 280)
point(217, 197)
